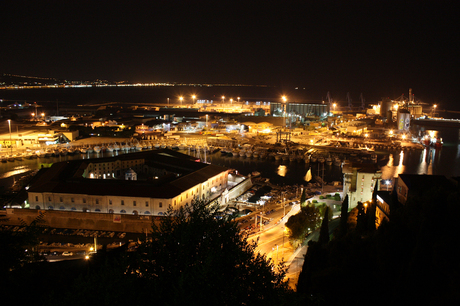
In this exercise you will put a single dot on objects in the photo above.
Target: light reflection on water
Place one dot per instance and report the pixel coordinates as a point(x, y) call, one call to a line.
point(15, 171)
point(282, 170)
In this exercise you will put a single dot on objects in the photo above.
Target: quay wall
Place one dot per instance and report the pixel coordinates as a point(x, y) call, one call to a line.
point(81, 220)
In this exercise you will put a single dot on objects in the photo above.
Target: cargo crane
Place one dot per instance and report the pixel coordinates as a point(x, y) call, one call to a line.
point(363, 102)
point(350, 106)
point(329, 100)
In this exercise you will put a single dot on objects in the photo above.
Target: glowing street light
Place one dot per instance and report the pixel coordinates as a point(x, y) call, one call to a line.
point(387, 183)
point(193, 99)
point(180, 99)
point(231, 101)
point(334, 105)
point(238, 99)
point(284, 111)
point(223, 99)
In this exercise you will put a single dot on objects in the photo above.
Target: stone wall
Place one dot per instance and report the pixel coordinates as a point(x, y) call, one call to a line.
point(81, 220)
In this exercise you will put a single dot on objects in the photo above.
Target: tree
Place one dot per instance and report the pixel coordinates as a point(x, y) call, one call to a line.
point(195, 254)
point(19, 247)
point(324, 232)
point(344, 217)
point(306, 220)
point(303, 198)
point(361, 220)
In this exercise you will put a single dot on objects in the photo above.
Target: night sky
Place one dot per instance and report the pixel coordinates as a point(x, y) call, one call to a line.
point(378, 48)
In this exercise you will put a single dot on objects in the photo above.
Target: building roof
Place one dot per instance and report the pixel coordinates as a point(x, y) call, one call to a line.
point(349, 167)
point(425, 182)
point(67, 177)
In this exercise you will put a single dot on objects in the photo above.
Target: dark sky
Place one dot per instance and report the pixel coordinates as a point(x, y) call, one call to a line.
point(378, 48)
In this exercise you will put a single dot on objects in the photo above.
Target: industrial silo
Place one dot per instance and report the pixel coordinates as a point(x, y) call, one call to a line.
point(403, 120)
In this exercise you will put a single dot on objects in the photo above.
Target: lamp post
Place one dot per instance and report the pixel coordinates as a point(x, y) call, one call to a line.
point(223, 99)
point(238, 99)
point(11, 142)
point(206, 121)
point(284, 110)
point(180, 99)
point(193, 99)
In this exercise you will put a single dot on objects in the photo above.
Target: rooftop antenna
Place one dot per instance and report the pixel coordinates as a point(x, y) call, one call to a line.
point(363, 101)
point(349, 101)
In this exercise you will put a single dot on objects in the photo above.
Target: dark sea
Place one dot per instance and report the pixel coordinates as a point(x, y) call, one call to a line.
point(444, 161)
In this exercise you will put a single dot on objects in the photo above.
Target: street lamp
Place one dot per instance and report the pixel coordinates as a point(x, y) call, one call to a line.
point(223, 99)
point(206, 121)
point(284, 110)
point(180, 99)
point(11, 142)
point(193, 99)
point(238, 99)
point(231, 101)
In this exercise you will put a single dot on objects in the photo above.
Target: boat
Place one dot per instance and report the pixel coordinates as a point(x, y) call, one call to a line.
point(255, 174)
point(97, 149)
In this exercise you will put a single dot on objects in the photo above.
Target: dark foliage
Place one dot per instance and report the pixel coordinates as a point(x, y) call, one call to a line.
point(192, 257)
point(412, 259)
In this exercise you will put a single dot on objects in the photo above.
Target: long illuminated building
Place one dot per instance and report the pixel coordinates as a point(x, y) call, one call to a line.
point(143, 183)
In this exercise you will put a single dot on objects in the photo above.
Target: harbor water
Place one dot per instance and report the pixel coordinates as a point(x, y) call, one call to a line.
point(443, 161)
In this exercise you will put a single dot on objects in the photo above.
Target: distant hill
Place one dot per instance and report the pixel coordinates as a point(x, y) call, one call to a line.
point(12, 79)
